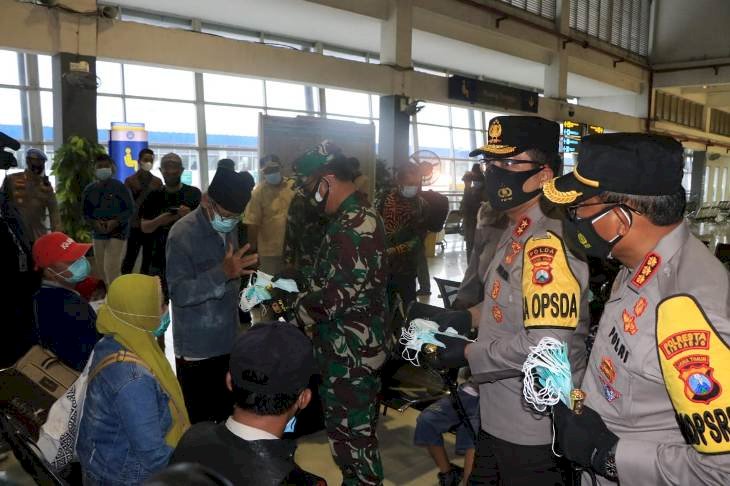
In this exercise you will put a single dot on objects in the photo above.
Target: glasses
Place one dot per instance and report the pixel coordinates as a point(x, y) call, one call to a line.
point(573, 210)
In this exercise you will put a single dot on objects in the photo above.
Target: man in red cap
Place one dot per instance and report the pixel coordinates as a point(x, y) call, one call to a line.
point(65, 322)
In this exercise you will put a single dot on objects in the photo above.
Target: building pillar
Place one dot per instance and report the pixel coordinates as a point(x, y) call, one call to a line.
point(556, 72)
point(74, 101)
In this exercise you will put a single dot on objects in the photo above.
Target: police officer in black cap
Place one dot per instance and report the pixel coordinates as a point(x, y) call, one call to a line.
point(657, 410)
point(534, 288)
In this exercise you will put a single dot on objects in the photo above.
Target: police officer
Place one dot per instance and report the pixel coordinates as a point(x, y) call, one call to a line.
point(346, 302)
point(534, 288)
point(33, 195)
point(657, 409)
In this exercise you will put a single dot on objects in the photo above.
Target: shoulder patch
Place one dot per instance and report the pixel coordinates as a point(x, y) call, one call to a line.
point(695, 364)
point(646, 270)
point(550, 291)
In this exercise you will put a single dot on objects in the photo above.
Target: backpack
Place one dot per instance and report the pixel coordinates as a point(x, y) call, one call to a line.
point(436, 210)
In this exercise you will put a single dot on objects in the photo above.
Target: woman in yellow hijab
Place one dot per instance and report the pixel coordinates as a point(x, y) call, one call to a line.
point(134, 412)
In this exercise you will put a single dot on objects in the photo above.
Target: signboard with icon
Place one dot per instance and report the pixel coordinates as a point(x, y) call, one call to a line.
point(125, 142)
point(572, 133)
point(492, 94)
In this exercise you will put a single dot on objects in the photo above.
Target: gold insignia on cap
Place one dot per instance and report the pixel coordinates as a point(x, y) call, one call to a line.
point(559, 197)
point(495, 132)
point(584, 180)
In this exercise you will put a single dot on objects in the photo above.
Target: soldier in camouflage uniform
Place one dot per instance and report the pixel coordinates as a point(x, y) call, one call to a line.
point(346, 302)
point(305, 223)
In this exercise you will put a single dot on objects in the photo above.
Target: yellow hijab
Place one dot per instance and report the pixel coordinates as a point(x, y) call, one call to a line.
point(130, 314)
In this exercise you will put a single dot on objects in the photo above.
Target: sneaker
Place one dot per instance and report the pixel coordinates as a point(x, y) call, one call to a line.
point(423, 292)
point(453, 477)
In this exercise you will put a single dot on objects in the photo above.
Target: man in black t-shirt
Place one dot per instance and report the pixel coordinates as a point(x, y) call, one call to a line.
point(162, 208)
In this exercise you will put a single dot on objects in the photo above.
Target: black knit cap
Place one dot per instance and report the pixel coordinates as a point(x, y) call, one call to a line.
point(272, 357)
point(636, 164)
point(228, 189)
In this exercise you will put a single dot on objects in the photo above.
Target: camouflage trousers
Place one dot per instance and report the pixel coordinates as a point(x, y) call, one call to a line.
point(350, 416)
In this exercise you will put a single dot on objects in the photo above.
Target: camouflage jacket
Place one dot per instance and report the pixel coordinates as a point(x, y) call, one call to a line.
point(347, 290)
point(305, 229)
point(405, 229)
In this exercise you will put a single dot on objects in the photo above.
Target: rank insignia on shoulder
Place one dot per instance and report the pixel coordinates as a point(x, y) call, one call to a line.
point(522, 226)
point(646, 270)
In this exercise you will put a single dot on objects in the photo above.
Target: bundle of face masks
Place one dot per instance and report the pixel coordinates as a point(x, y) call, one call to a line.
point(259, 289)
point(548, 378)
point(420, 332)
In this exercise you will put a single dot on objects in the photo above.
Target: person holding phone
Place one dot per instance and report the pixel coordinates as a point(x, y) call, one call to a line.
point(33, 195)
point(162, 208)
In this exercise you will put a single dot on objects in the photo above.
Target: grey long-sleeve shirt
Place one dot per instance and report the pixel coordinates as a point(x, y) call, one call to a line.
point(534, 288)
point(661, 352)
point(204, 300)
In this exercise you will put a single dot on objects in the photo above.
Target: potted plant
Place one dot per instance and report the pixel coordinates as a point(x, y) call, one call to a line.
point(73, 166)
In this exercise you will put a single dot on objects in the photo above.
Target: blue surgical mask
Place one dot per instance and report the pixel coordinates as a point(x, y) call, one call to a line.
point(103, 174)
point(409, 191)
point(164, 324)
point(221, 224)
point(274, 178)
point(290, 425)
point(79, 269)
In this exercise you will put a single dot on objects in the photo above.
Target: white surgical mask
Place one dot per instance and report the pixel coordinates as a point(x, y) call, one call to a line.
point(409, 191)
point(146, 166)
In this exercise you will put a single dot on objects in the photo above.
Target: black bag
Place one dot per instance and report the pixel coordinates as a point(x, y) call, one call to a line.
point(436, 210)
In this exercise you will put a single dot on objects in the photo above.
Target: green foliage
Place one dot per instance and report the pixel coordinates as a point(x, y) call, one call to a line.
point(73, 166)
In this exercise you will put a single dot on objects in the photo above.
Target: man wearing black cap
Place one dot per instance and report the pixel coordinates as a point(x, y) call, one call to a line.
point(270, 367)
point(534, 288)
point(656, 411)
point(204, 267)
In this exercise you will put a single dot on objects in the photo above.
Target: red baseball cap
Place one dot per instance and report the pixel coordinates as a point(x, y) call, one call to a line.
point(57, 247)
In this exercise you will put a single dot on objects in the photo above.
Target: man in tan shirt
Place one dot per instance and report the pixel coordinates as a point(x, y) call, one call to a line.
point(266, 212)
point(33, 194)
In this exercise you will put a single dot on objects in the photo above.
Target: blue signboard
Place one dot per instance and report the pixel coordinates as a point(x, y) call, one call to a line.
point(125, 142)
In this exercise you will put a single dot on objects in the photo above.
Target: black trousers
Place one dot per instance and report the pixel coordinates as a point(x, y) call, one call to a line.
point(138, 240)
point(498, 462)
point(203, 384)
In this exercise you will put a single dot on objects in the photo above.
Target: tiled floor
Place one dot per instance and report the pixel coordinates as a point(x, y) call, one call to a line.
point(403, 463)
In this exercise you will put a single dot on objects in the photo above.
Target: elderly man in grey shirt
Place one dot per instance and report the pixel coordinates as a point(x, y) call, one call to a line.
point(204, 267)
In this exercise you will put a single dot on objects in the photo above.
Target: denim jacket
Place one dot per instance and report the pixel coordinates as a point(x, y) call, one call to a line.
point(126, 416)
point(204, 300)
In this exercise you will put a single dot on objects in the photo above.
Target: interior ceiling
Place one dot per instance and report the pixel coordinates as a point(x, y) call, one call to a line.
point(310, 21)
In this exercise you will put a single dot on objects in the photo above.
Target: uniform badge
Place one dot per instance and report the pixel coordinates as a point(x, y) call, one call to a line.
point(629, 323)
point(515, 249)
point(608, 369)
point(541, 258)
point(699, 384)
point(640, 306)
point(496, 287)
point(497, 314)
point(647, 269)
point(522, 226)
point(609, 392)
point(495, 132)
point(504, 193)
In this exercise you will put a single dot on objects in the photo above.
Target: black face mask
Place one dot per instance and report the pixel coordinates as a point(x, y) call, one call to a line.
point(584, 236)
point(504, 187)
point(37, 169)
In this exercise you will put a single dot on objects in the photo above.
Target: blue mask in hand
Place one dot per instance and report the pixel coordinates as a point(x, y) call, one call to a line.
point(164, 324)
point(290, 425)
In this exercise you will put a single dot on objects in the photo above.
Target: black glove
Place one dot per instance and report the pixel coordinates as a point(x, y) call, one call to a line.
point(452, 356)
point(584, 438)
point(459, 320)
